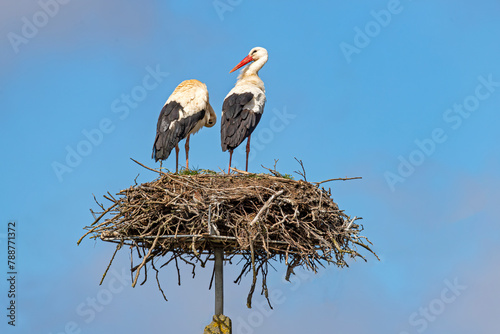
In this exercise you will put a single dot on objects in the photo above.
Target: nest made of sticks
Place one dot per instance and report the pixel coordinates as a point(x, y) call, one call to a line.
point(258, 218)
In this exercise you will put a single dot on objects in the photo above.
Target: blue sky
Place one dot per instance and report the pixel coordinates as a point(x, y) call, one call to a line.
point(404, 93)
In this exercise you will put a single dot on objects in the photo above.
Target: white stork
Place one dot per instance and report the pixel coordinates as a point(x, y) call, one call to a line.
point(244, 105)
point(186, 111)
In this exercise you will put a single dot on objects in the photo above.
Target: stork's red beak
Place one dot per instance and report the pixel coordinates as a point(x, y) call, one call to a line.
point(245, 61)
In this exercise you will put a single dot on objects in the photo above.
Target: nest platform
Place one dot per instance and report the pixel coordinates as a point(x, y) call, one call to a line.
point(255, 218)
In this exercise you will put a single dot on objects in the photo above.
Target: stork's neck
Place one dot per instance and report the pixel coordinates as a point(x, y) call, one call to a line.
point(251, 72)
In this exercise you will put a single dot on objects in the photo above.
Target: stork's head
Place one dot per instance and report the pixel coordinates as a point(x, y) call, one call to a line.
point(212, 118)
point(255, 54)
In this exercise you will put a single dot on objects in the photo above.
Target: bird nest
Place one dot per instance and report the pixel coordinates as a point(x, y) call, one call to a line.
point(255, 218)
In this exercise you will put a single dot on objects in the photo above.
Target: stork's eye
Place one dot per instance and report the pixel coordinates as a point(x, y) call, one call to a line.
point(254, 51)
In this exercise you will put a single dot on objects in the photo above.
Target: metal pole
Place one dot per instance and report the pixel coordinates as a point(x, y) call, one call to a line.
point(219, 281)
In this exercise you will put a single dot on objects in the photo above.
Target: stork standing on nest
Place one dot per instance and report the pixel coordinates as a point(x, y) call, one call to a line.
point(186, 111)
point(244, 105)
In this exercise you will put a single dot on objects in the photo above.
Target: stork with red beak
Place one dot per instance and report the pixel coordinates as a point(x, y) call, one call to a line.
point(186, 111)
point(244, 105)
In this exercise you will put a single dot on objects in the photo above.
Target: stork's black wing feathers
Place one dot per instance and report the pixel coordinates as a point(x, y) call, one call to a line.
point(170, 130)
point(234, 103)
point(237, 123)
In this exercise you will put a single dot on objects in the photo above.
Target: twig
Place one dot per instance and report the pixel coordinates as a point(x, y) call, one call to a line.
point(338, 179)
point(158, 282)
point(303, 173)
point(273, 171)
point(265, 206)
point(111, 261)
point(254, 276)
point(95, 221)
point(275, 163)
point(151, 169)
point(241, 171)
point(146, 258)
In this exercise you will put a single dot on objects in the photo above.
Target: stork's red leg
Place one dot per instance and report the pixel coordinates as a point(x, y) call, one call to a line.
point(176, 158)
point(248, 151)
point(187, 152)
point(230, 158)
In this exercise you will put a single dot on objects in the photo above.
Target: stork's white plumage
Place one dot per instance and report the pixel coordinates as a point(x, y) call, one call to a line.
point(244, 105)
point(186, 111)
